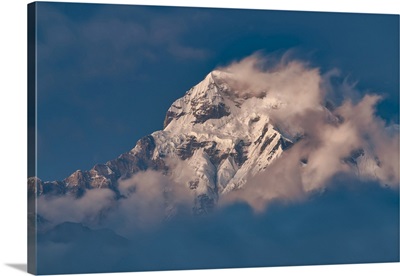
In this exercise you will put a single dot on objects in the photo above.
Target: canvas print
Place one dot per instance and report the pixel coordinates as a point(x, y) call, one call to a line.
point(173, 138)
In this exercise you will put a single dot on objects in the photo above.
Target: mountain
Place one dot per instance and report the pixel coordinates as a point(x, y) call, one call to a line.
point(214, 139)
point(67, 232)
point(75, 248)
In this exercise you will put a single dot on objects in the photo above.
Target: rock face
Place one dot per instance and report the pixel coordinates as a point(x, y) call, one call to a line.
point(212, 141)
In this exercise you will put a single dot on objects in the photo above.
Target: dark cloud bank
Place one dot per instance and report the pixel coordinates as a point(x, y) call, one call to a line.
point(350, 222)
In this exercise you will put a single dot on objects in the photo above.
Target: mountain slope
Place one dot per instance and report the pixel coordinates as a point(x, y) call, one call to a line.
point(213, 140)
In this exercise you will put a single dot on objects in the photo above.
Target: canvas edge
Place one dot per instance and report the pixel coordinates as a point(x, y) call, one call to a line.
point(31, 132)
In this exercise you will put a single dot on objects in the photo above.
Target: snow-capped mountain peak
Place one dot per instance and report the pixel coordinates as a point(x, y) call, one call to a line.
point(214, 139)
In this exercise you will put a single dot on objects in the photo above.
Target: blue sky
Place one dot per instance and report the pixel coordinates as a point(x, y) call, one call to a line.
point(108, 73)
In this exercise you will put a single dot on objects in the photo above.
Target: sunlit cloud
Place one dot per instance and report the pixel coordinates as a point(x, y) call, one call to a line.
point(328, 138)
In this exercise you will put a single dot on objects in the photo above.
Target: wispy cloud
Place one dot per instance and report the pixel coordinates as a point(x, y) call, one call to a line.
point(149, 198)
point(87, 209)
point(105, 44)
point(328, 137)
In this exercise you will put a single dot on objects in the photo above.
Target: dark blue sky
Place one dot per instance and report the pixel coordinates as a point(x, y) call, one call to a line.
point(108, 73)
point(106, 77)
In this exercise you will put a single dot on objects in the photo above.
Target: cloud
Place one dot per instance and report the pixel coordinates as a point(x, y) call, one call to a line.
point(109, 42)
point(289, 80)
point(329, 138)
point(341, 225)
point(149, 198)
point(87, 209)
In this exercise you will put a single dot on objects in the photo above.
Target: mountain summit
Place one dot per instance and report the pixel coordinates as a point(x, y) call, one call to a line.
point(215, 137)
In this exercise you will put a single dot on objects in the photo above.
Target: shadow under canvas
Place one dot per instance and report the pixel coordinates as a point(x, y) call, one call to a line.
point(20, 267)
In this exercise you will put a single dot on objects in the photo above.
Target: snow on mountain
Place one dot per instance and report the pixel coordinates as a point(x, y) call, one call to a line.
point(213, 140)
